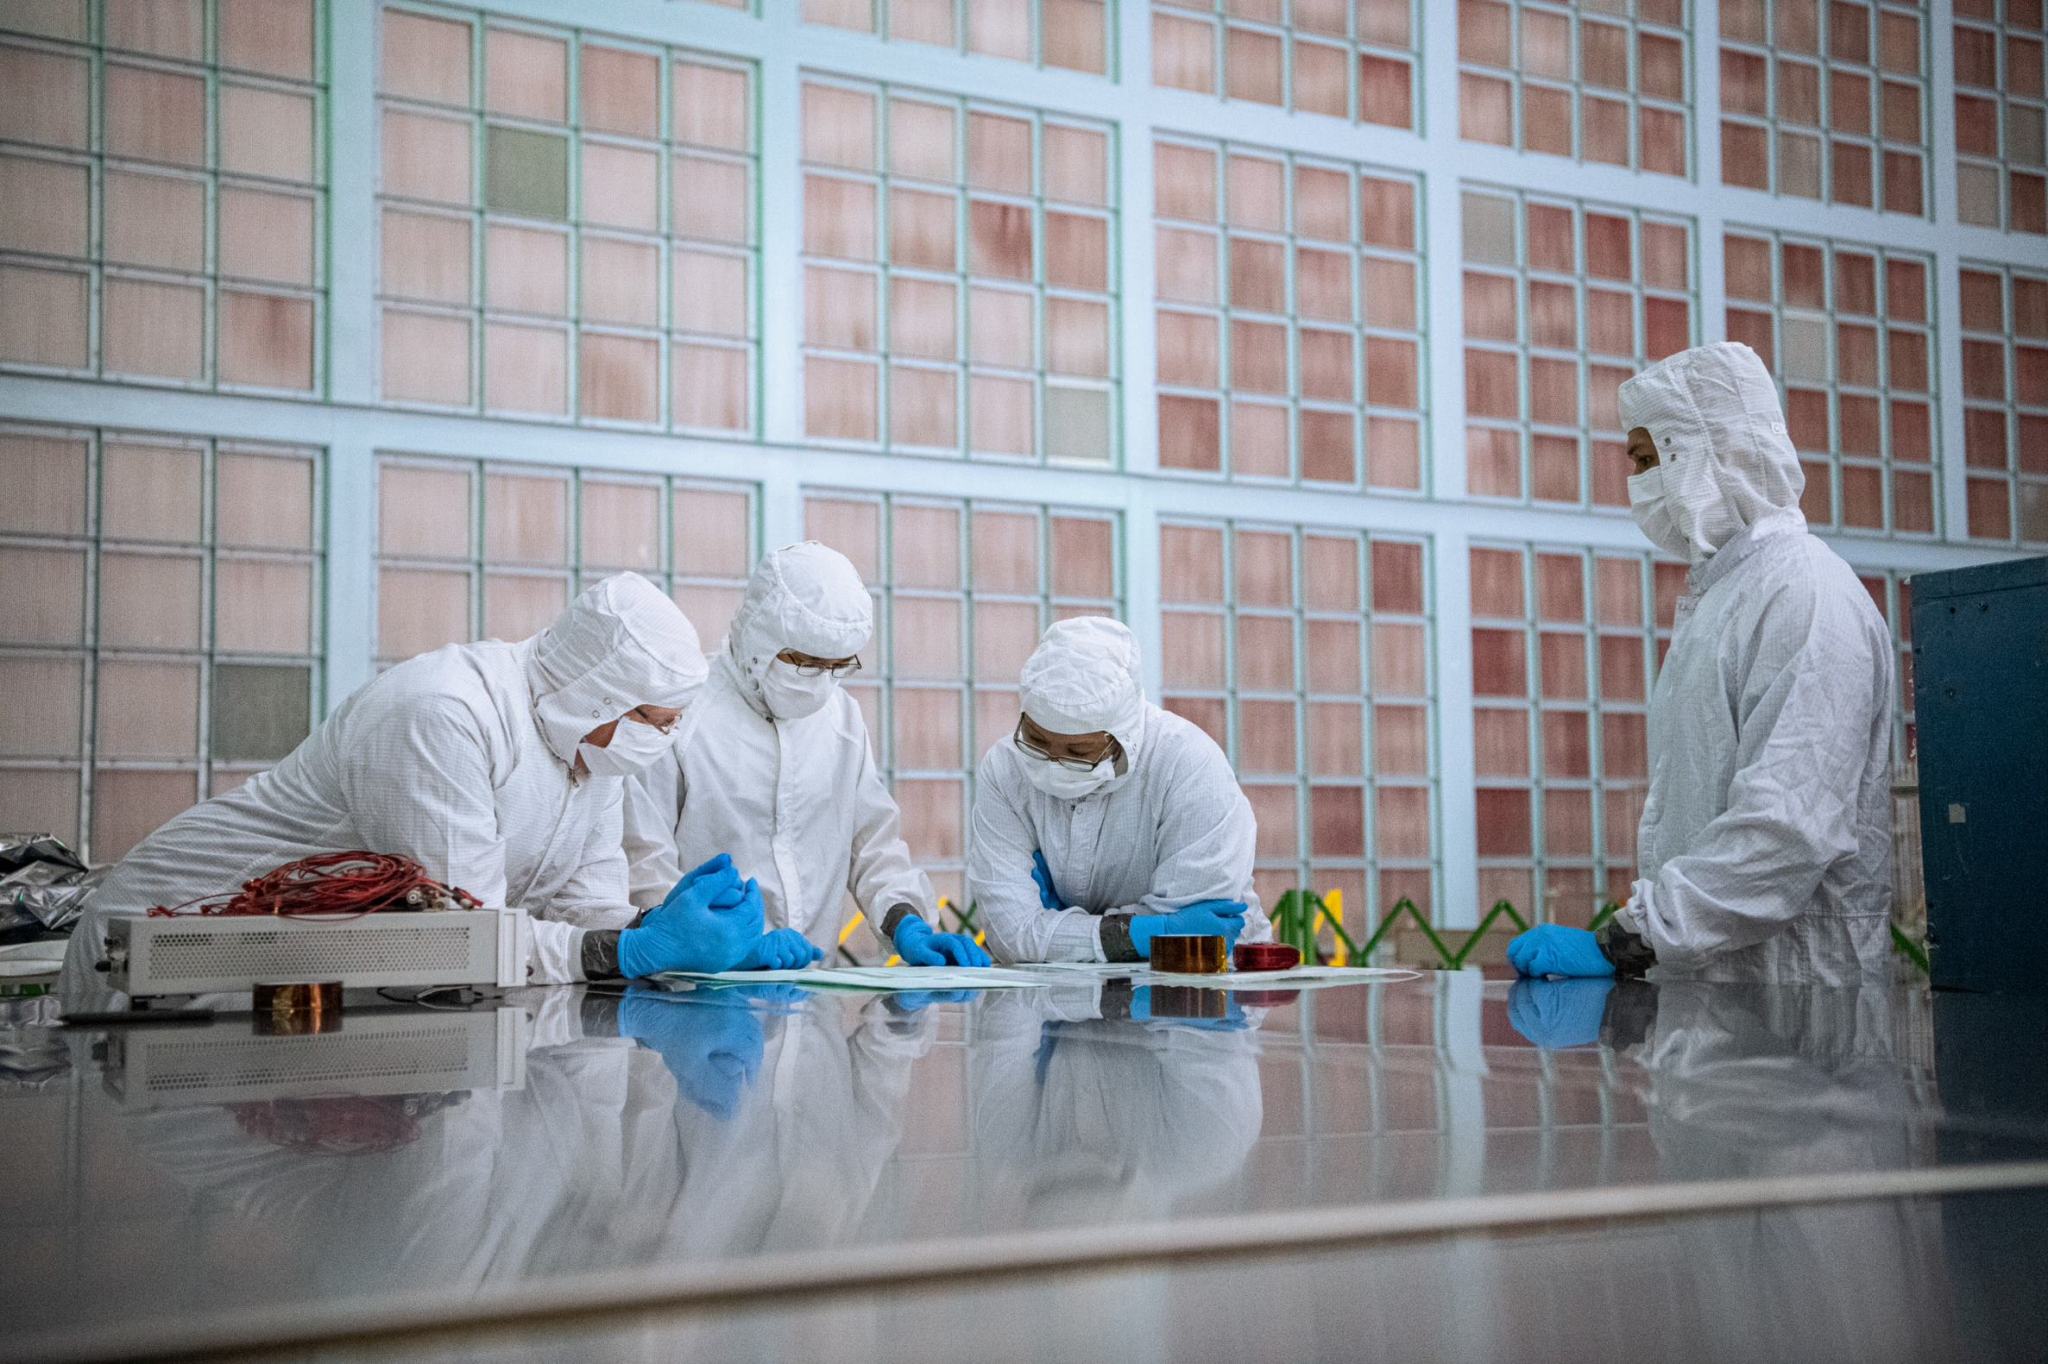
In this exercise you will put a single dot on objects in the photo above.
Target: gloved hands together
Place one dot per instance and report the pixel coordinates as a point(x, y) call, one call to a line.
point(919, 946)
point(1559, 1013)
point(712, 1046)
point(707, 923)
point(1554, 950)
point(917, 1001)
point(1048, 894)
point(783, 950)
point(1205, 918)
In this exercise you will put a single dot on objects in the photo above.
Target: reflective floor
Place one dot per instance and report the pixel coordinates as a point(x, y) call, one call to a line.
point(205, 1186)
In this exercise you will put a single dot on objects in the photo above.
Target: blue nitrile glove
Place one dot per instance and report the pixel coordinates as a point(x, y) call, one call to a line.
point(1554, 950)
point(1048, 894)
point(1559, 1013)
point(707, 923)
point(1205, 918)
point(712, 1045)
point(1233, 1019)
point(783, 950)
point(919, 946)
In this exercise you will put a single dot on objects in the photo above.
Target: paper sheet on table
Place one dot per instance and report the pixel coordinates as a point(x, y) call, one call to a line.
point(878, 977)
point(1294, 978)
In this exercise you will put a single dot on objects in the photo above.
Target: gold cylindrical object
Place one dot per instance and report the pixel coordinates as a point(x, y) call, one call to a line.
point(298, 1006)
point(1189, 954)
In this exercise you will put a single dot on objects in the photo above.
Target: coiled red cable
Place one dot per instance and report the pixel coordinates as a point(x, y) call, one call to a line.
point(339, 883)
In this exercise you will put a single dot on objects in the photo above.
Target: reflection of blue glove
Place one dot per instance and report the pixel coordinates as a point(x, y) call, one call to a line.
point(1559, 1013)
point(783, 950)
point(706, 924)
point(1048, 894)
point(1554, 950)
point(1233, 1019)
point(1205, 918)
point(712, 1047)
point(919, 946)
point(917, 1001)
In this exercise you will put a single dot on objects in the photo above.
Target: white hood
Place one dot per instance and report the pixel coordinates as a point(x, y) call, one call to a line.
point(1084, 677)
point(1726, 455)
point(620, 644)
point(807, 597)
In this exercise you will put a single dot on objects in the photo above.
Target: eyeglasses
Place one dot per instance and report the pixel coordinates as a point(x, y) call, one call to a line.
point(806, 666)
point(1038, 750)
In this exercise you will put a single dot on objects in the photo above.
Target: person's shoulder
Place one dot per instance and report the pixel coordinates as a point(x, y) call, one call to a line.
point(451, 685)
point(1182, 743)
point(1812, 590)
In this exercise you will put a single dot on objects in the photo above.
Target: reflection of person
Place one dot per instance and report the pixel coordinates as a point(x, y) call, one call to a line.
point(597, 1162)
point(1765, 844)
point(1077, 1115)
point(495, 766)
point(773, 765)
point(1106, 820)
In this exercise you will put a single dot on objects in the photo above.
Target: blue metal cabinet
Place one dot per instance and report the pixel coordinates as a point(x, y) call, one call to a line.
point(1980, 696)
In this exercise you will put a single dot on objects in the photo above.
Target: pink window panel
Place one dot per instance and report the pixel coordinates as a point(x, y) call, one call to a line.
point(519, 605)
point(1005, 552)
point(1192, 650)
point(928, 730)
point(1083, 557)
point(621, 526)
point(1266, 736)
point(129, 806)
point(1336, 739)
point(1191, 563)
point(1004, 635)
point(420, 609)
point(925, 637)
point(854, 528)
point(933, 818)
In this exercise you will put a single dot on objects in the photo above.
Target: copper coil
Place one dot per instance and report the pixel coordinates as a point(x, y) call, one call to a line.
point(1190, 954)
point(295, 1007)
point(1267, 956)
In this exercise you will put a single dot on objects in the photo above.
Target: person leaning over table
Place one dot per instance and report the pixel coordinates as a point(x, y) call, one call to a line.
point(496, 766)
point(1765, 847)
point(1104, 820)
point(773, 764)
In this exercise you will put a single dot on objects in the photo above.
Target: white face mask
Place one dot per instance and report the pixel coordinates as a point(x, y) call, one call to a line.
point(634, 745)
point(1064, 783)
point(1649, 502)
point(790, 695)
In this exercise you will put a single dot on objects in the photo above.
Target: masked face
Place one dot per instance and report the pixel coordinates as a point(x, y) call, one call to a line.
point(634, 745)
point(1065, 783)
point(1649, 502)
point(790, 695)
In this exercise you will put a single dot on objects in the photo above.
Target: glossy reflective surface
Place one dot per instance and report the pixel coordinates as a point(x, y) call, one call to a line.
point(693, 1133)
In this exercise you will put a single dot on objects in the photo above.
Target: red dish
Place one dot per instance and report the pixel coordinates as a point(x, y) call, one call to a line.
point(1266, 956)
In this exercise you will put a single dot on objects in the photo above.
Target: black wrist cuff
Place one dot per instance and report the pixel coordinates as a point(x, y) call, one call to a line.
point(893, 920)
point(601, 954)
point(1116, 939)
point(1630, 953)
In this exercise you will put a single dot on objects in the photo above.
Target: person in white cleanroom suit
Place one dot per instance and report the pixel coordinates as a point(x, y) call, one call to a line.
point(498, 768)
point(1105, 820)
point(773, 765)
point(1765, 848)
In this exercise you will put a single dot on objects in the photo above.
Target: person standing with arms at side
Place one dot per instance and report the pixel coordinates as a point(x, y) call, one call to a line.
point(773, 765)
point(1765, 848)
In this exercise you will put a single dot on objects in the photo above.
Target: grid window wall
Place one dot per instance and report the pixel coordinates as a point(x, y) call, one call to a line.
point(962, 592)
point(1073, 35)
point(2001, 181)
point(162, 192)
point(2005, 403)
point(1892, 594)
point(468, 549)
point(1289, 318)
point(567, 225)
point(959, 281)
point(160, 632)
point(1305, 653)
point(1598, 80)
point(1846, 330)
point(1353, 61)
point(1826, 101)
point(1565, 644)
point(1563, 301)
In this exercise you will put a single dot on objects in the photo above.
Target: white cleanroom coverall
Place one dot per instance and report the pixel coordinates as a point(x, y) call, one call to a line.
point(796, 798)
point(461, 759)
point(1765, 850)
point(1168, 829)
